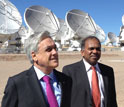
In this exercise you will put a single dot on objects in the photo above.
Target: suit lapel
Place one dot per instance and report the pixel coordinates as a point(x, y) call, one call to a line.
point(105, 79)
point(84, 80)
point(83, 74)
point(36, 88)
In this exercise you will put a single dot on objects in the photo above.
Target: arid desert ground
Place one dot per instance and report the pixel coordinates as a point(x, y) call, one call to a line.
point(11, 64)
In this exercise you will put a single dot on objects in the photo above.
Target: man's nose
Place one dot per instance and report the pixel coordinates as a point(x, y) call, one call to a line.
point(94, 50)
point(54, 51)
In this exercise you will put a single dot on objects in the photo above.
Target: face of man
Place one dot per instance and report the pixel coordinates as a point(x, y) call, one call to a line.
point(92, 51)
point(47, 55)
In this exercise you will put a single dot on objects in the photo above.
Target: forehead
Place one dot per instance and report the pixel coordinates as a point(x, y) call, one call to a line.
point(46, 42)
point(92, 43)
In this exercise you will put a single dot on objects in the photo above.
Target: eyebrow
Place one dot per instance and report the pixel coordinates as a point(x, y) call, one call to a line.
point(97, 48)
point(51, 47)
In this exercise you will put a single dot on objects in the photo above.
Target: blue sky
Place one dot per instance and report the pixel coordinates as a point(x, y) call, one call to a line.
point(106, 13)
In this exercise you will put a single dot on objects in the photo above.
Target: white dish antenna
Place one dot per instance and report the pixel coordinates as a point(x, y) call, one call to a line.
point(121, 35)
point(112, 37)
point(123, 19)
point(63, 29)
point(100, 34)
point(39, 18)
point(80, 23)
point(10, 20)
point(64, 32)
point(23, 33)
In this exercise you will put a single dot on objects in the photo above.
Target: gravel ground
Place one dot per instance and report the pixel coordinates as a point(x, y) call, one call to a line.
point(11, 64)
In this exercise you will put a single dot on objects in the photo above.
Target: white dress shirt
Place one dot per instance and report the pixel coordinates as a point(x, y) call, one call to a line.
point(100, 79)
point(54, 83)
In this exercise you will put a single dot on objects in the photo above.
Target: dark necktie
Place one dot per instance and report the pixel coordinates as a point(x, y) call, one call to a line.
point(50, 94)
point(95, 88)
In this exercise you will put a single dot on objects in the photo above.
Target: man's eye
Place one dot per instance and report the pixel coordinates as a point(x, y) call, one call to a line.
point(98, 49)
point(49, 49)
point(91, 48)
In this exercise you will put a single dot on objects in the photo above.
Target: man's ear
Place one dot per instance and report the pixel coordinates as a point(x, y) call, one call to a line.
point(82, 52)
point(34, 57)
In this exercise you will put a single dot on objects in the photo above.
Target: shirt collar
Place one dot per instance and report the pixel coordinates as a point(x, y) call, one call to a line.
point(88, 66)
point(40, 74)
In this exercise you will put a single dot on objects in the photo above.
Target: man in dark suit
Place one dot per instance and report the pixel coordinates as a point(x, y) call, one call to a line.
point(29, 88)
point(82, 75)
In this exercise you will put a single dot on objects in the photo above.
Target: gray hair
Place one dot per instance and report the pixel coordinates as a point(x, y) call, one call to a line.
point(31, 44)
point(87, 38)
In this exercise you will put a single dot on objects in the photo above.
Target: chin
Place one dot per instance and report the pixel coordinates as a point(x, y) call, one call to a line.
point(94, 63)
point(55, 65)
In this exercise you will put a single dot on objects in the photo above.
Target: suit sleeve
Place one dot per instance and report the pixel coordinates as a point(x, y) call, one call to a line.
point(10, 94)
point(112, 91)
point(65, 70)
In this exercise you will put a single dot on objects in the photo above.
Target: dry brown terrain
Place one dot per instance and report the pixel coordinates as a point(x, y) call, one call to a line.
point(12, 64)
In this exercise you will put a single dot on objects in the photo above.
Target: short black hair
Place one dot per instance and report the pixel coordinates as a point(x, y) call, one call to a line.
point(87, 38)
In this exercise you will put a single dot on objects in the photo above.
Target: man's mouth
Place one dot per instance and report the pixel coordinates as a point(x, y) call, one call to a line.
point(94, 57)
point(55, 59)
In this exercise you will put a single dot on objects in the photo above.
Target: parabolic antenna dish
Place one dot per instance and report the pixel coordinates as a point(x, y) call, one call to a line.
point(123, 19)
point(10, 18)
point(122, 28)
point(112, 37)
point(64, 32)
point(23, 33)
point(100, 34)
point(121, 35)
point(80, 23)
point(63, 29)
point(39, 19)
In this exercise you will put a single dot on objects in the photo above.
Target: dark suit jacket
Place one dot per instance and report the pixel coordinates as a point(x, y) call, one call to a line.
point(81, 96)
point(24, 90)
